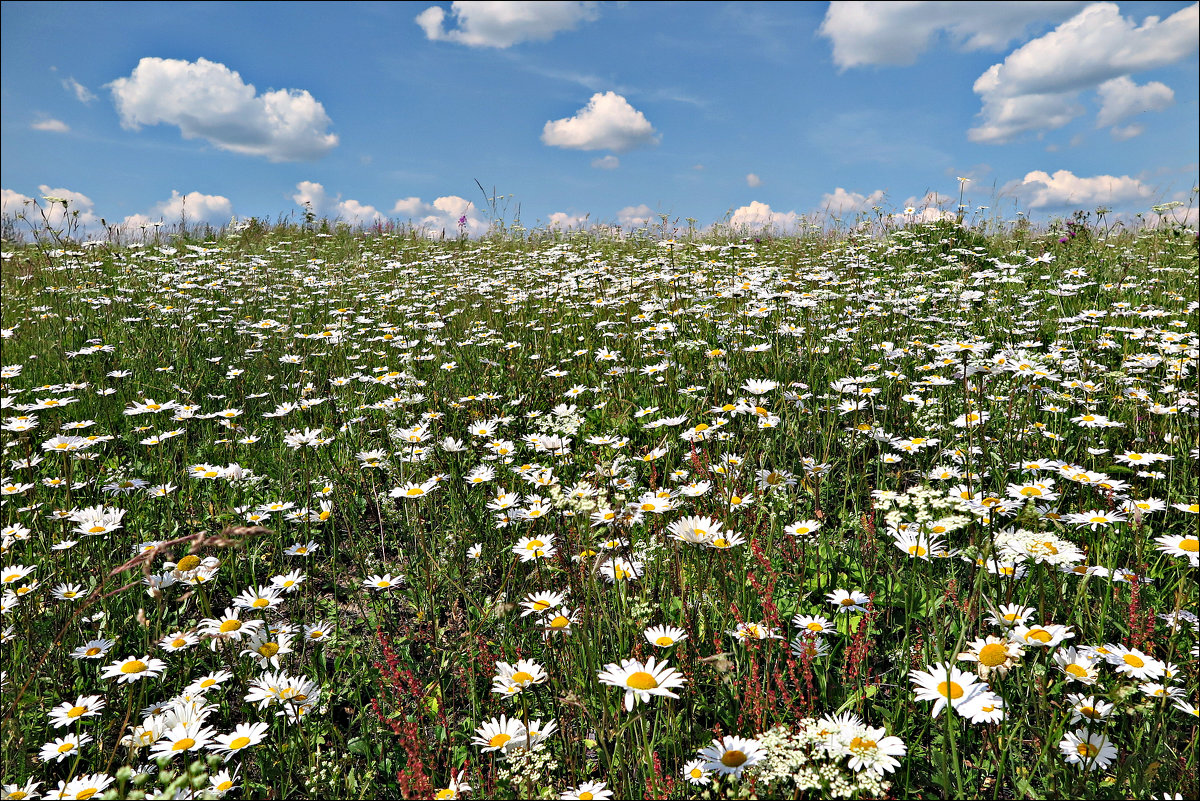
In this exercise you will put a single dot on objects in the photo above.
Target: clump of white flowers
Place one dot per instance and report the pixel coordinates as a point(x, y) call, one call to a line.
point(933, 511)
point(1017, 544)
point(839, 757)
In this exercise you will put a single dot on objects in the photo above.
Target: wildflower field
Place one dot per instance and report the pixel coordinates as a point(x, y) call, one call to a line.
point(303, 512)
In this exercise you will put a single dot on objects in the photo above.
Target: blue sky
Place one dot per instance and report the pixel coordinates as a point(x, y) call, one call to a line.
point(615, 111)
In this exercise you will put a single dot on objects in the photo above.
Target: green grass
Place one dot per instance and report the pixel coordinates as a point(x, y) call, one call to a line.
point(388, 342)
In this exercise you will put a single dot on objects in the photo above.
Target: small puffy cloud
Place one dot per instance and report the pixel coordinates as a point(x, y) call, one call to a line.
point(1037, 86)
point(561, 219)
point(14, 203)
point(50, 124)
point(351, 211)
point(929, 208)
point(865, 33)
point(81, 92)
point(607, 122)
point(759, 216)
point(194, 207)
point(1064, 190)
point(207, 100)
point(609, 162)
point(1121, 98)
point(753, 180)
point(635, 216)
point(443, 214)
point(842, 202)
point(504, 24)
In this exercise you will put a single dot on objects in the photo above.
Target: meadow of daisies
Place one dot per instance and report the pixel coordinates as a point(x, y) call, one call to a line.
point(303, 511)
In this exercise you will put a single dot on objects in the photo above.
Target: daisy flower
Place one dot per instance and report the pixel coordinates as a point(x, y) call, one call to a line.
point(994, 655)
point(814, 623)
point(871, 749)
point(540, 602)
point(695, 773)
point(848, 600)
point(131, 669)
point(381, 583)
point(1087, 749)
point(641, 680)
point(731, 756)
point(64, 747)
point(83, 786)
point(497, 733)
point(511, 680)
point(587, 790)
point(1077, 665)
point(85, 706)
point(192, 736)
point(244, 735)
point(946, 684)
point(1135, 664)
point(664, 636)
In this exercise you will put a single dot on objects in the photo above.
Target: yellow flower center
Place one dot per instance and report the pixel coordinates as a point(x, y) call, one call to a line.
point(643, 681)
point(560, 622)
point(178, 642)
point(1086, 750)
point(520, 677)
point(65, 747)
point(664, 641)
point(76, 711)
point(93, 651)
point(993, 654)
point(85, 794)
point(1089, 712)
point(950, 689)
point(1077, 671)
point(207, 683)
point(733, 759)
point(1189, 544)
point(268, 649)
point(183, 745)
point(916, 550)
point(189, 562)
point(499, 740)
point(259, 603)
point(136, 666)
point(1041, 635)
point(1134, 661)
point(239, 743)
point(225, 786)
point(230, 625)
point(859, 744)
point(586, 796)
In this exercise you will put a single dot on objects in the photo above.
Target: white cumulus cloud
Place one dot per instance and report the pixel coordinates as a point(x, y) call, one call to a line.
point(635, 216)
point(564, 220)
point(842, 202)
point(1065, 190)
point(50, 124)
point(753, 180)
point(504, 24)
point(759, 216)
point(79, 208)
point(443, 214)
point(350, 211)
point(207, 100)
point(1037, 86)
point(1121, 98)
point(607, 122)
point(896, 33)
